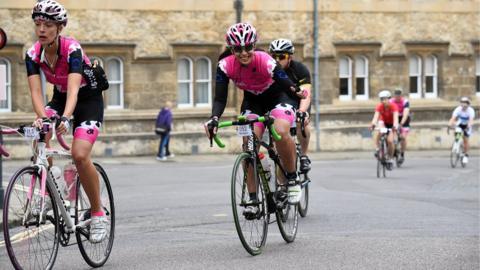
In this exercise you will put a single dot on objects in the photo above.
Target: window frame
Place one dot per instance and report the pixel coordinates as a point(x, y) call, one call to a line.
point(8, 85)
point(348, 77)
point(189, 81)
point(121, 82)
point(433, 94)
point(209, 81)
point(418, 75)
point(366, 89)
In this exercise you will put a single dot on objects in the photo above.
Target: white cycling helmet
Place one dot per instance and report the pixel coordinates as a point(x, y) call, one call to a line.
point(241, 34)
point(281, 46)
point(50, 10)
point(465, 99)
point(384, 94)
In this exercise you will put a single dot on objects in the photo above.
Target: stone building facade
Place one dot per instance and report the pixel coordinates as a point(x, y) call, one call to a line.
point(156, 51)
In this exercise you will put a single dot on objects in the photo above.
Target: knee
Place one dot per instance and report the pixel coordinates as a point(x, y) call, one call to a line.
point(80, 158)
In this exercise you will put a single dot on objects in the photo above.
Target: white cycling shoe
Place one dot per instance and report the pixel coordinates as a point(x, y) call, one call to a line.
point(98, 229)
point(294, 193)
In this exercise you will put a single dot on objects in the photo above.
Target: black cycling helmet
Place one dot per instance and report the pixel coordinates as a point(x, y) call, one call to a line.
point(397, 92)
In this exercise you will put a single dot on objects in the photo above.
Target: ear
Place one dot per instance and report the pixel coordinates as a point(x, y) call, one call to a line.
point(59, 28)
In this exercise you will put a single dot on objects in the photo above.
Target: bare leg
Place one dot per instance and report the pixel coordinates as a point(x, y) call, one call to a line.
point(286, 146)
point(304, 141)
point(391, 147)
point(81, 150)
point(465, 144)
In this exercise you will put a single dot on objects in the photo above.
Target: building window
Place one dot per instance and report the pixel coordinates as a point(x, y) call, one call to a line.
point(114, 94)
point(185, 82)
point(194, 89)
point(361, 78)
point(203, 82)
point(431, 77)
point(477, 75)
point(345, 74)
point(5, 85)
point(415, 75)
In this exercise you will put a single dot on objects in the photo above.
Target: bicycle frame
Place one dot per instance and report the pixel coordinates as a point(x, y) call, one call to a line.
point(41, 154)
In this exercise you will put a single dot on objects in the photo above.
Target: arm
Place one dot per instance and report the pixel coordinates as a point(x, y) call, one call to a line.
point(74, 80)
point(35, 86)
point(305, 86)
point(305, 103)
point(395, 119)
point(221, 94)
point(406, 113)
point(75, 70)
point(375, 119)
point(470, 121)
point(452, 120)
point(281, 77)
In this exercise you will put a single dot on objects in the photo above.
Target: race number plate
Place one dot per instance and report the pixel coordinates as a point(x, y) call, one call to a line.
point(31, 133)
point(243, 131)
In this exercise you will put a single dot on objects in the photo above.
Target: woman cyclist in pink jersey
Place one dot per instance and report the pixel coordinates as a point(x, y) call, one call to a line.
point(265, 87)
point(403, 120)
point(62, 60)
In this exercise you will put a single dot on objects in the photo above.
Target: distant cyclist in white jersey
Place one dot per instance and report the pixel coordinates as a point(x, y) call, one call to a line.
point(463, 117)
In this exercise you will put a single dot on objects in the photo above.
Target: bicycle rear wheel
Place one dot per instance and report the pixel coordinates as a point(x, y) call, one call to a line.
point(252, 232)
point(95, 254)
point(303, 204)
point(30, 243)
point(454, 155)
point(287, 216)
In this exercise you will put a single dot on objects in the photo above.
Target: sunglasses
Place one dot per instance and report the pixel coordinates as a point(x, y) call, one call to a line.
point(281, 56)
point(240, 49)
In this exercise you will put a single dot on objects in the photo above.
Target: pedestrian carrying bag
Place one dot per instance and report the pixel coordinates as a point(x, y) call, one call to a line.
point(95, 77)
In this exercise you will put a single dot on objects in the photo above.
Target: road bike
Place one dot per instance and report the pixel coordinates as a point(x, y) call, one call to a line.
point(252, 231)
point(39, 215)
point(457, 150)
point(382, 160)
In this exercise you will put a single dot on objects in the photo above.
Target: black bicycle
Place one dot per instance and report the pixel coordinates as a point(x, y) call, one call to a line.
point(252, 230)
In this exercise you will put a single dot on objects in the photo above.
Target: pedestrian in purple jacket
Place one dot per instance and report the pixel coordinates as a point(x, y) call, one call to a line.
point(162, 128)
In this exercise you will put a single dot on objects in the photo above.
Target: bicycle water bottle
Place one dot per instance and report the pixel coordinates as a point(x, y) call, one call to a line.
point(56, 174)
point(69, 174)
point(266, 165)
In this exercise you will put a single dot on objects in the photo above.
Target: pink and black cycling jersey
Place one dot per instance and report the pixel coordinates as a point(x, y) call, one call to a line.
point(401, 104)
point(88, 112)
point(263, 81)
point(71, 59)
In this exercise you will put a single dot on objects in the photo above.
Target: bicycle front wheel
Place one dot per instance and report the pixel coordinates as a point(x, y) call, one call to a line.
point(95, 254)
point(31, 236)
point(251, 231)
point(454, 155)
point(287, 217)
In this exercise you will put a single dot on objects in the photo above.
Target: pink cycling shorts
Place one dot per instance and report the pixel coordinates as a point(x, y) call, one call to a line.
point(281, 111)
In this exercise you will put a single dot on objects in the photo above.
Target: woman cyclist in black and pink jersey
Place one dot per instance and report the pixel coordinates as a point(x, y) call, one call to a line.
point(265, 87)
point(62, 59)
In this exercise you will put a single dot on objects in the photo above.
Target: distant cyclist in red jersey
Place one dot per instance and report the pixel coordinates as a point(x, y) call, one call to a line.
point(386, 116)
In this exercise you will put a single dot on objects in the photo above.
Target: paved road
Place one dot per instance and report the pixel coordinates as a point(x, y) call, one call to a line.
point(176, 215)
